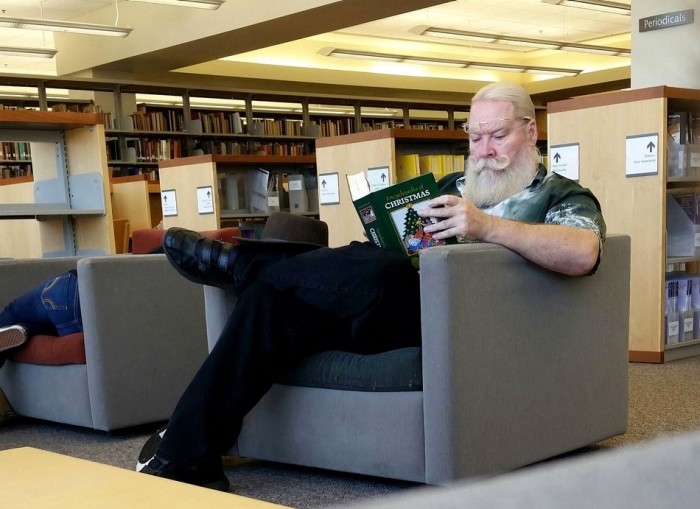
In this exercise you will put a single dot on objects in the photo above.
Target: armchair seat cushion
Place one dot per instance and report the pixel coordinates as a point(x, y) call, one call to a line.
point(51, 350)
point(392, 371)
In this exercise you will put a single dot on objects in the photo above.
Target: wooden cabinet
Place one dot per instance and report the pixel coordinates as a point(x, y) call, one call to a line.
point(353, 153)
point(67, 200)
point(603, 126)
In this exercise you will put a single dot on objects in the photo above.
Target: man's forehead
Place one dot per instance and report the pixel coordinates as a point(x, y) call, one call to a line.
point(486, 111)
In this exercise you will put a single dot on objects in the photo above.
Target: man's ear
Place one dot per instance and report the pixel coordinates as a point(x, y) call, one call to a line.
point(532, 132)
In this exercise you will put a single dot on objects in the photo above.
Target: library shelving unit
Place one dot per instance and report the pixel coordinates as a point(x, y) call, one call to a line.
point(67, 197)
point(136, 199)
point(633, 203)
point(353, 153)
point(194, 189)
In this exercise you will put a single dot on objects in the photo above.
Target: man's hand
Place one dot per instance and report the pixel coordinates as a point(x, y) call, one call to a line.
point(456, 217)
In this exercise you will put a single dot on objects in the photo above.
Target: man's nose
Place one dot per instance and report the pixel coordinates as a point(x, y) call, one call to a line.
point(485, 148)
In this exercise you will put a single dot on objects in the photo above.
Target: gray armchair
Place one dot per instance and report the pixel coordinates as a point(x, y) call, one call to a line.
point(518, 364)
point(144, 336)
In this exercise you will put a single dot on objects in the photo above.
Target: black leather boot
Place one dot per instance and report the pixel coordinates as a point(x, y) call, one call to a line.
point(198, 258)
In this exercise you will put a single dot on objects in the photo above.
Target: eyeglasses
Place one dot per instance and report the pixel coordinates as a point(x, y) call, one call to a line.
point(490, 126)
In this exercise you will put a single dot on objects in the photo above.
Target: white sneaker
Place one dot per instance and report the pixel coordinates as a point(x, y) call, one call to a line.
point(12, 337)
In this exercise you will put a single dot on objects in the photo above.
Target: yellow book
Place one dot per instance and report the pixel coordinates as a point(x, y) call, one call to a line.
point(407, 167)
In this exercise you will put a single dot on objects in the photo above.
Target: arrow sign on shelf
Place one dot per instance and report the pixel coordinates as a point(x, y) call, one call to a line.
point(641, 155)
point(565, 160)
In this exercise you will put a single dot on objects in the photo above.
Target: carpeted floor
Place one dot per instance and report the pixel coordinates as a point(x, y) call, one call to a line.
point(664, 399)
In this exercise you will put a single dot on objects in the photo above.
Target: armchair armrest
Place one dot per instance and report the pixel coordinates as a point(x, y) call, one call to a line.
point(144, 337)
point(21, 275)
point(519, 363)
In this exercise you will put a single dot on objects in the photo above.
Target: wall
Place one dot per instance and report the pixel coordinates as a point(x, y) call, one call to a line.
point(669, 56)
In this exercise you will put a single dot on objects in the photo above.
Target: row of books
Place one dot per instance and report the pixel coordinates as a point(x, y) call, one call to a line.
point(152, 151)
point(682, 308)
point(143, 120)
point(151, 173)
point(7, 172)
point(15, 151)
point(409, 166)
point(251, 148)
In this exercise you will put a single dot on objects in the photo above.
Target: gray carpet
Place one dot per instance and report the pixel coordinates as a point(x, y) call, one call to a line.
point(664, 399)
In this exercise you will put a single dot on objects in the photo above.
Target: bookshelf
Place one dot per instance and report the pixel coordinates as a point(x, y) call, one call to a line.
point(64, 208)
point(352, 153)
point(219, 177)
point(632, 204)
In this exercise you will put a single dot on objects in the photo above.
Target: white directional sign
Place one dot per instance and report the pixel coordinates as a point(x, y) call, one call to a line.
point(378, 178)
point(564, 160)
point(168, 200)
point(642, 155)
point(328, 190)
point(205, 200)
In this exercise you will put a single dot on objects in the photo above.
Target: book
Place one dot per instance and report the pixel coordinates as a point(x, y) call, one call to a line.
point(389, 215)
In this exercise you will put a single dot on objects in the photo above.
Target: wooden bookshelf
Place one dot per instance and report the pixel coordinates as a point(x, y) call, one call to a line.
point(67, 199)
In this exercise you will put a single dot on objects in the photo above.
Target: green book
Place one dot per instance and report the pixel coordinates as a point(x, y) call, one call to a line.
point(389, 215)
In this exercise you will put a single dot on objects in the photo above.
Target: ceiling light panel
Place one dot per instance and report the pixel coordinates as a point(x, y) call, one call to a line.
point(48, 25)
point(485, 38)
point(200, 4)
point(9, 51)
point(387, 57)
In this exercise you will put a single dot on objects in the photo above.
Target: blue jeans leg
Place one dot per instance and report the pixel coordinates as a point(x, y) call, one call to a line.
point(52, 307)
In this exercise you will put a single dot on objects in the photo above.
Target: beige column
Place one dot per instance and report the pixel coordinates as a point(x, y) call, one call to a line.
point(668, 55)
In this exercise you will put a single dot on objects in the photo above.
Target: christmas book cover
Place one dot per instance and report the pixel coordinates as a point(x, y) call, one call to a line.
point(390, 215)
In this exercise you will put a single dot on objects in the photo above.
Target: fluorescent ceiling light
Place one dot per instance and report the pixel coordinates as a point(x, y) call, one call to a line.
point(522, 41)
point(63, 26)
point(594, 5)
point(27, 52)
point(362, 55)
point(387, 57)
point(201, 4)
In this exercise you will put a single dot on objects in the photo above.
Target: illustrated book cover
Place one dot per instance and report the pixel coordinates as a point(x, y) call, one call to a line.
point(390, 215)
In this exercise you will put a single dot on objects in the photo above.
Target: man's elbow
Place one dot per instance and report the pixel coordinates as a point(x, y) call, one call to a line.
point(587, 260)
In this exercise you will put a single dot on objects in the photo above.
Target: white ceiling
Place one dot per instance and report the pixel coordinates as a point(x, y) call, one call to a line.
point(302, 61)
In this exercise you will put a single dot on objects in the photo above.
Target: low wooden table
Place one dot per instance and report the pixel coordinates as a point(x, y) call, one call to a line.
point(32, 478)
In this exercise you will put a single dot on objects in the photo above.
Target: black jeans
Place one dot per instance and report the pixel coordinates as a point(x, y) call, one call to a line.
point(292, 302)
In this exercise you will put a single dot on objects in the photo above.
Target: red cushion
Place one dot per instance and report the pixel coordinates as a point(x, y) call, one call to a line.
point(144, 241)
point(51, 350)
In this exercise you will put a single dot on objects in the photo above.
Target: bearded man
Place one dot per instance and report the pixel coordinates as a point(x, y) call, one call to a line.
point(296, 298)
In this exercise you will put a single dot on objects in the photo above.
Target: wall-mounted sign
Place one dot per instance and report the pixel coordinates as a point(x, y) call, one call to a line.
point(205, 200)
point(378, 178)
point(642, 155)
point(564, 160)
point(667, 20)
point(168, 200)
point(328, 190)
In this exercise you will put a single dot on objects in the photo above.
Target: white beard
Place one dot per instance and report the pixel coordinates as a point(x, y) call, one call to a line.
point(490, 181)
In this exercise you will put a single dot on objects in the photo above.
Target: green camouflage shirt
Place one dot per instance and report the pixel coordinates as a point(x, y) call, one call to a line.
point(550, 199)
